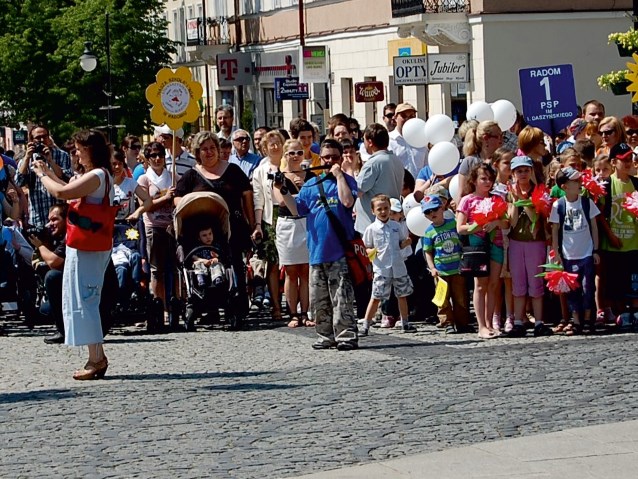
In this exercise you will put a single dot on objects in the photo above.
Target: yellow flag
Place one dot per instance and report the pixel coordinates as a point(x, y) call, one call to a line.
point(440, 293)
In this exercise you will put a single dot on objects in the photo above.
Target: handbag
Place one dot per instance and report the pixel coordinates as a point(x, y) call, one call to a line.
point(475, 260)
point(89, 227)
point(359, 264)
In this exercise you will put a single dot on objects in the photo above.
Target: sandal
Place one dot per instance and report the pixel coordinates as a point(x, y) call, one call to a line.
point(306, 322)
point(562, 327)
point(490, 335)
point(295, 322)
point(573, 330)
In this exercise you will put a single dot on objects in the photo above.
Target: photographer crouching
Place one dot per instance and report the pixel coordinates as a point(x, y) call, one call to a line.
point(50, 245)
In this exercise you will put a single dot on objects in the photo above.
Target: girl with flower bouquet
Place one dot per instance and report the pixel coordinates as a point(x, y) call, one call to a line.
point(527, 251)
point(619, 238)
point(482, 217)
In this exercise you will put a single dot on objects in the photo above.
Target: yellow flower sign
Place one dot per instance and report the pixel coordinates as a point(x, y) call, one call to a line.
point(632, 76)
point(174, 97)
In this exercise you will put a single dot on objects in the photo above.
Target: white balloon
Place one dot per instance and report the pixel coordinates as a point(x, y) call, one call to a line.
point(455, 191)
point(479, 111)
point(414, 133)
point(443, 158)
point(417, 222)
point(504, 114)
point(439, 128)
point(409, 202)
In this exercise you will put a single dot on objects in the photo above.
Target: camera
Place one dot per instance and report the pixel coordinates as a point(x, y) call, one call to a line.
point(38, 150)
point(41, 232)
point(278, 177)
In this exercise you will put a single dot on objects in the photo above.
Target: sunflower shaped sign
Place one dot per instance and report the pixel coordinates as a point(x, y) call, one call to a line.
point(632, 76)
point(174, 97)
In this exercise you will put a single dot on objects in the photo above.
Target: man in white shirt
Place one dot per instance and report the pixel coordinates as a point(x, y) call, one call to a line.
point(184, 160)
point(413, 159)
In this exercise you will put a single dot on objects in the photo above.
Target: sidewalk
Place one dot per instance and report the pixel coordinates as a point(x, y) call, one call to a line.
point(609, 451)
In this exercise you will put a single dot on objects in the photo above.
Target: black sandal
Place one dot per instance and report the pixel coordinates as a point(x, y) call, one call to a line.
point(306, 321)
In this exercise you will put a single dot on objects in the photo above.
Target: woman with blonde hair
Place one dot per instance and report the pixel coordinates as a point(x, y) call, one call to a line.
point(481, 141)
point(291, 237)
point(612, 133)
point(531, 141)
point(266, 212)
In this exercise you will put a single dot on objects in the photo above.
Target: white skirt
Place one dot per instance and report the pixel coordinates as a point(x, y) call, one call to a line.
point(291, 241)
point(82, 283)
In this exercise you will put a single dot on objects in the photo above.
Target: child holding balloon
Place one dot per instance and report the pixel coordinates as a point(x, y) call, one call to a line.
point(384, 239)
point(490, 236)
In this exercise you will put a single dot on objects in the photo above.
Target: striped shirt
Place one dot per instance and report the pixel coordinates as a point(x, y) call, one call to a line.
point(443, 241)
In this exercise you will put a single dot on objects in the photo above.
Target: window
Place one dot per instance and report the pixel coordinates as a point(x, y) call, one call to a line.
point(274, 109)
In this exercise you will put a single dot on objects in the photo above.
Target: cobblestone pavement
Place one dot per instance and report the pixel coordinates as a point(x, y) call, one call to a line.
point(263, 404)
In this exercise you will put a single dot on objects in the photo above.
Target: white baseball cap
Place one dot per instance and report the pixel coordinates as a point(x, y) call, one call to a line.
point(165, 130)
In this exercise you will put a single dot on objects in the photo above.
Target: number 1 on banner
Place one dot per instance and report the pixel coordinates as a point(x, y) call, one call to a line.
point(545, 82)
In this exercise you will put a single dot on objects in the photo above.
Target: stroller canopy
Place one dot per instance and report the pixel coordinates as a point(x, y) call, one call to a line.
point(202, 204)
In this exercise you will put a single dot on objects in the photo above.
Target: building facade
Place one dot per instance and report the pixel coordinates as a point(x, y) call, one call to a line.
point(495, 37)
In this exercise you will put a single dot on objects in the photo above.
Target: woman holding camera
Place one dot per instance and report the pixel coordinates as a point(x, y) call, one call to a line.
point(266, 213)
point(229, 181)
point(83, 275)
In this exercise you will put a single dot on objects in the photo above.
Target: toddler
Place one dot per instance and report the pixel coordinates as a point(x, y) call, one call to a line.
point(206, 262)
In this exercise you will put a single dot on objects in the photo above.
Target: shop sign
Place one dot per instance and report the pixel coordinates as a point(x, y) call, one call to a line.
point(290, 88)
point(368, 91)
point(449, 68)
point(313, 64)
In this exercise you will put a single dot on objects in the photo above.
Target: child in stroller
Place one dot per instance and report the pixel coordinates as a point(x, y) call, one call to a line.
point(202, 229)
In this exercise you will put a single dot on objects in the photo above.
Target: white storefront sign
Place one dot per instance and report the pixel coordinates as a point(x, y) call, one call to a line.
point(412, 70)
point(448, 68)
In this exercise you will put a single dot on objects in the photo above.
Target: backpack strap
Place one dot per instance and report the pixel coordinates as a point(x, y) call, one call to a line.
point(561, 209)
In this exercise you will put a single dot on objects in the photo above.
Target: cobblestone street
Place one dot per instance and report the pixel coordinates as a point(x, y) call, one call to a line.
point(263, 404)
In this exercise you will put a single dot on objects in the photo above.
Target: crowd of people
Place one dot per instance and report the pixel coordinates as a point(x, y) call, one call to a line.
point(302, 207)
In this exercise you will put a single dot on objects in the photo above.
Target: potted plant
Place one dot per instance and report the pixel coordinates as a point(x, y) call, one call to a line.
point(626, 42)
point(615, 81)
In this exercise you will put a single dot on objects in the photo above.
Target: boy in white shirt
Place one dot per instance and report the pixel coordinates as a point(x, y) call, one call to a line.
point(384, 239)
point(575, 244)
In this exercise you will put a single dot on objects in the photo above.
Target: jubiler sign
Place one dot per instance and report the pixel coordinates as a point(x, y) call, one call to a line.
point(433, 68)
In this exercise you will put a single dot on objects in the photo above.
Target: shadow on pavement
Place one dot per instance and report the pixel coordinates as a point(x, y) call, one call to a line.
point(144, 339)
point(42, 395)
point(182, 376)
point(252, 387)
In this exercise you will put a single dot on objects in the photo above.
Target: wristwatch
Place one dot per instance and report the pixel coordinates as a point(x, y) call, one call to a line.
point(42, 175)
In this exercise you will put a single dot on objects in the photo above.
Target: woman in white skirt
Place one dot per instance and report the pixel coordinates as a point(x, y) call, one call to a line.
point(291, 237)
point(83, 274)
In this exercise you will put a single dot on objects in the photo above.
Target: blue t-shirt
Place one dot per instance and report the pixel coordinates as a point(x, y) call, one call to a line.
point(426, 173)
point(247, 163)
point(323, 243)
point(138, 171)
point(444, 242)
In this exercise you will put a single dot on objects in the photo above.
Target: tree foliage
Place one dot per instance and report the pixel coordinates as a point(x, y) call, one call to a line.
point(40, 75)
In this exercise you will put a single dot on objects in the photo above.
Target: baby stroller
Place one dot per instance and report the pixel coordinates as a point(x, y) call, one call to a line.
point(134, 303)
point(219, 290)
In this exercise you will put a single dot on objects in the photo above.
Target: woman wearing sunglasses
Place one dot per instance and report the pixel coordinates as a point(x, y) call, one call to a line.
point(612, 133)
point(630, 123)
point(291, 237)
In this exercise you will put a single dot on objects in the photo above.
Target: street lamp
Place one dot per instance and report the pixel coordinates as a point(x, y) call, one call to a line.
point(88, 62)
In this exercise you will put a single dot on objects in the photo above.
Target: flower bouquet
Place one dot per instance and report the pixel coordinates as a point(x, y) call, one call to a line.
point(631, 203)
point(492, 208)
point(592, 185)
point(558, 280)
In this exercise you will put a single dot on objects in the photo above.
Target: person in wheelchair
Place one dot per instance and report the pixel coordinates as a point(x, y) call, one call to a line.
point(127, 259)
point(51, 250)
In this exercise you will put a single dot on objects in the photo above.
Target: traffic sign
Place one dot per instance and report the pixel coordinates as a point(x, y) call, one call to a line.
point(549, 97)
point(289, 88)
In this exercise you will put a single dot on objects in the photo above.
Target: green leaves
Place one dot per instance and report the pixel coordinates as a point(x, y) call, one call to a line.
point(40, 45)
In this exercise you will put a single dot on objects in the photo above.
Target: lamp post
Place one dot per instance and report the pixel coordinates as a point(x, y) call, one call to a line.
point(88, 62)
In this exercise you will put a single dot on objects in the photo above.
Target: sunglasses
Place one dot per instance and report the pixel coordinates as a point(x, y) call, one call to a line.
point(606, 132)
point(389, 116)
point(154, 155)
point(135, 147)
point(331, 157)
point(294, 153)
point(430, 211)
point(631, 132)
point(241, 139)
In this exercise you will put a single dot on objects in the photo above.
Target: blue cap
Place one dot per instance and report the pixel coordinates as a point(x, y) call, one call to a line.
point(519, 161)
point(430, 202)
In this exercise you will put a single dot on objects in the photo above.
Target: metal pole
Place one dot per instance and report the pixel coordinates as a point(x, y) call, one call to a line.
point(302, 42)
point(240, 88)
point(635, 14)
point(207, 124)
point(108, 86)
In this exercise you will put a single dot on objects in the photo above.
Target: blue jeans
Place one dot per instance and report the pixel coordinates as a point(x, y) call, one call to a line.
point(582, 298)
point(127, 273)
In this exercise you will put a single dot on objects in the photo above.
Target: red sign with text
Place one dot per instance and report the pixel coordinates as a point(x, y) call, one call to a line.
point(368, 91)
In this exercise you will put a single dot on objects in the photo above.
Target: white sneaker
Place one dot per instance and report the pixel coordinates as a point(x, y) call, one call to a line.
point(509, 324)
point(496, 323)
